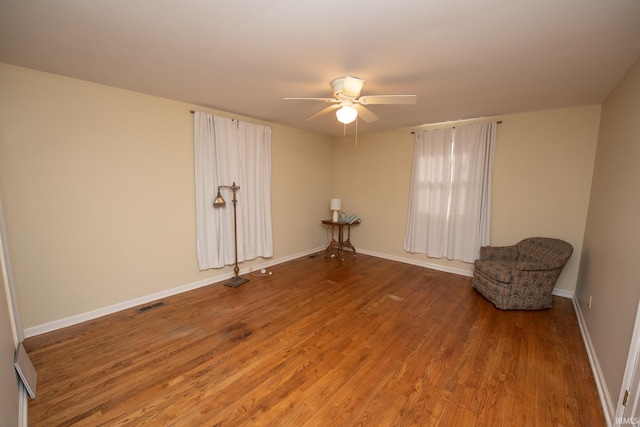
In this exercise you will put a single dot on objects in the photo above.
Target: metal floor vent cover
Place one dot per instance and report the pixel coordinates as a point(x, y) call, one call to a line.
point(150, 307)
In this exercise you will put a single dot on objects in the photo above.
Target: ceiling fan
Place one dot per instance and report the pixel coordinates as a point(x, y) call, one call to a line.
point(349, 104)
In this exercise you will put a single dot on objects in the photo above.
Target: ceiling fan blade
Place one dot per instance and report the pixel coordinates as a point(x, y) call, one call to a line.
point(365, 114)
point(352, 86)
point(324, 111)
point(312, 99)
point(387, 99)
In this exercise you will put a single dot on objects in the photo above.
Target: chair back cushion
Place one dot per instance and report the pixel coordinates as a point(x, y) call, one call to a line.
point(544, 250)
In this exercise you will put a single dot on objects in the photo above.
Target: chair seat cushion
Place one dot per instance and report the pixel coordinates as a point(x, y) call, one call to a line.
point(496, 270)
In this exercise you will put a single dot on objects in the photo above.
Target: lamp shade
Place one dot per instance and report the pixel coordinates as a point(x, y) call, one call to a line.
point(346, 114)
point(335, 204)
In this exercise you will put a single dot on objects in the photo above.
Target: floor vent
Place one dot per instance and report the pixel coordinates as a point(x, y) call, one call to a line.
point(150, 307)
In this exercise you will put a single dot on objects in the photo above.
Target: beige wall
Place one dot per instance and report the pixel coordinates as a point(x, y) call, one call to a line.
point(608, 271)
point(98, 193)
point(98, 189)
point(541, 183)
point(302, 174)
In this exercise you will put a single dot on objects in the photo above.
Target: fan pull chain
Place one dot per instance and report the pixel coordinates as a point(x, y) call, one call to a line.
point(356, 131)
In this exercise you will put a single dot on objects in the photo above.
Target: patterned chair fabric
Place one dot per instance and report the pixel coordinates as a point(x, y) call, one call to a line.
point(522, 276)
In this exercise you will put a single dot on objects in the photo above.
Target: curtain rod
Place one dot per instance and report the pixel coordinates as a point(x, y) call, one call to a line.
point(453, 127)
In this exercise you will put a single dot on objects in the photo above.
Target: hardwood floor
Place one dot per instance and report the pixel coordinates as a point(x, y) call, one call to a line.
point(364, 341)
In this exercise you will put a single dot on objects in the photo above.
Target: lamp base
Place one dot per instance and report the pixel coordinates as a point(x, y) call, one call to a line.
point(236, 281)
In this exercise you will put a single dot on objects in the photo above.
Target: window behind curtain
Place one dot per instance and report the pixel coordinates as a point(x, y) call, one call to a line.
point(228, 151)
point(450, 196)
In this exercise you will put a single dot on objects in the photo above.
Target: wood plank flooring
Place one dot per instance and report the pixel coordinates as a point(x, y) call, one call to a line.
point(321, 342)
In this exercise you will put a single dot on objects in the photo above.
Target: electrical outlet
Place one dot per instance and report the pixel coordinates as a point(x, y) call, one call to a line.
point(590, 296)
point(251, 271)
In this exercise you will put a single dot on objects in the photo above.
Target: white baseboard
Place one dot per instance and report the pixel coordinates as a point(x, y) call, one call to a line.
point(601, 384)
point(94, 314)
point(563, 293)
point(558, 292)
point(90, 315)
point(425, 264)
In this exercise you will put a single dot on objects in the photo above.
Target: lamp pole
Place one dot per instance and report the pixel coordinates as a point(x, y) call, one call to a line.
point(219, 203)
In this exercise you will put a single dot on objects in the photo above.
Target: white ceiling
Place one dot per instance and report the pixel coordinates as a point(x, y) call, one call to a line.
point(462, 58)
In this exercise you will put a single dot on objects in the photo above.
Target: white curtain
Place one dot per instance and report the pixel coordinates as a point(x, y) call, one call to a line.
point(450, 195)
point(228, 151)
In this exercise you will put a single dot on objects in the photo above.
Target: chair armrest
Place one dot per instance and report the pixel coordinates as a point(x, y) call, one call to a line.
point(499, 253)
point(495, 270)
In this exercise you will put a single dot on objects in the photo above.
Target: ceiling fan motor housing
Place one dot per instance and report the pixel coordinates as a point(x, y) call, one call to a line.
point(338, 88)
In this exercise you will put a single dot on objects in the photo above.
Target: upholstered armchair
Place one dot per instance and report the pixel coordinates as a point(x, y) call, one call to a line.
point(522, 276)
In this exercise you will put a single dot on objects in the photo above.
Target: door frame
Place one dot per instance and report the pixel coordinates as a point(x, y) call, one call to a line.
point(631, 382)
point(5, 265)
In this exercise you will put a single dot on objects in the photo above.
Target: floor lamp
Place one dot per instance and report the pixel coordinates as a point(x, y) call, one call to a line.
point(219, 202)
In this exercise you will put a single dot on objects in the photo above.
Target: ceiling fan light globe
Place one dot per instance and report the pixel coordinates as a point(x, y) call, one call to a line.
point(346, 114)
